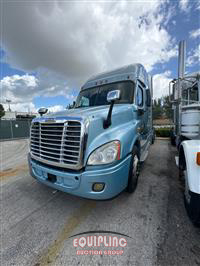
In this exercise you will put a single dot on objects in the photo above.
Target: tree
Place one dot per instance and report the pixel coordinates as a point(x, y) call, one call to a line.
point(167, 107)
point(157, 109)
point(2, 112)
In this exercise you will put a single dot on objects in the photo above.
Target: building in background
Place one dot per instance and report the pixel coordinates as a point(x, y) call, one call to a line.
point(15, 125)
point(10, 115)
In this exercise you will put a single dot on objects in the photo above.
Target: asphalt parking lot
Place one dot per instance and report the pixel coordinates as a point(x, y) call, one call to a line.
point(37, 221)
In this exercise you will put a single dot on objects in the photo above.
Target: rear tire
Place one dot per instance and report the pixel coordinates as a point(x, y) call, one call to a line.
point(193, 208)
point(134, 171)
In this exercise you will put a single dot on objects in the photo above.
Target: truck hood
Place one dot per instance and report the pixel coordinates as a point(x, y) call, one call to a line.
point(124, 120)
point(91, 112)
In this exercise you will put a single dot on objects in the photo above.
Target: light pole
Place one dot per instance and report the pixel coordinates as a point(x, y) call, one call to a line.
point(8, 101)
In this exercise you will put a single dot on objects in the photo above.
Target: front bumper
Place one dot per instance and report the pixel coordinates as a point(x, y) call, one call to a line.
point(114, 177)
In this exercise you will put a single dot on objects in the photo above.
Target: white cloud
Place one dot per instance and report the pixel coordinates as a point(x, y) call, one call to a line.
point(23, 89)
point(77, 39)
point(184, 5)
point(66, 42)
point(55, 108)
point(197, 5)
point(18, 89)
point(161, 84)
point(21, 107)
point(194, 57)
point(195, 33)
point(30, 107)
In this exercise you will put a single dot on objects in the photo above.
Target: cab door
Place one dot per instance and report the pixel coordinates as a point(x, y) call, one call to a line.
point(148, 107)
point(143, 116)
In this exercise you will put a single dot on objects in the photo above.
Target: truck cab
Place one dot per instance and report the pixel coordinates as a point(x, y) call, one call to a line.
point(94, 149)
point(186, 108)
point(185, 99)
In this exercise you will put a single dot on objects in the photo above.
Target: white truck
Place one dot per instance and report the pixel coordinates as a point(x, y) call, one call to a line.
point(185, 97)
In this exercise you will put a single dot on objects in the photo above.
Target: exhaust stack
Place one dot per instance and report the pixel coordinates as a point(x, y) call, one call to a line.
point(181, 59)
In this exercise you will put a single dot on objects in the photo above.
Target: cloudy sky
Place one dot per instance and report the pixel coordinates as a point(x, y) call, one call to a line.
point(49, 48)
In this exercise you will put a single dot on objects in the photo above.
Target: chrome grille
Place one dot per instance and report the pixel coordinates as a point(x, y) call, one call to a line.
point(58, 143)
point(71, 142)
point(35, 139)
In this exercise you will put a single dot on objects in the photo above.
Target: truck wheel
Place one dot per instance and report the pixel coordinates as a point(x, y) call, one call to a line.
point(192, 201)
point(133, 171)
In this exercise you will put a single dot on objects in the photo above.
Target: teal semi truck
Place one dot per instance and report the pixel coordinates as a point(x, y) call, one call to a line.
point(94, 150)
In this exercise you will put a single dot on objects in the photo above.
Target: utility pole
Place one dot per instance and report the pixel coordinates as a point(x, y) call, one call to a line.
point(8, 101)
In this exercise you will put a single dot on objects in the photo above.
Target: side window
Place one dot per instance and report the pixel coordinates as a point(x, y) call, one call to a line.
point(139, 97)
point(85, 102)
point(148, 98)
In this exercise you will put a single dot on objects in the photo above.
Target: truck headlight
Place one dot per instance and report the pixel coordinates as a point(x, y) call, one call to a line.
point(107, 153)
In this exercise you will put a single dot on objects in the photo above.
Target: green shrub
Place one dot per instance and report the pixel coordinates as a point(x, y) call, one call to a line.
point(163, 132)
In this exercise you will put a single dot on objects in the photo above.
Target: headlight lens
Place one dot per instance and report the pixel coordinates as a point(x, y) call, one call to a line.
point(107, 153)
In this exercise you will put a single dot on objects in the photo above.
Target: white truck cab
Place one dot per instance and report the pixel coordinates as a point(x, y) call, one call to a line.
point(186, 133)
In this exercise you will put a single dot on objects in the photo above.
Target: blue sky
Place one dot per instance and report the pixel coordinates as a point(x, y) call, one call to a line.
point(48, 50)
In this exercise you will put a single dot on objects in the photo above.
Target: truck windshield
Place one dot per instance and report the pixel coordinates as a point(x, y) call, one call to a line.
point(190, 95)
point(98, 95)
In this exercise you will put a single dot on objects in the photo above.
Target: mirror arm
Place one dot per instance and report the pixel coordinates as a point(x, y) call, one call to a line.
point(108, 122)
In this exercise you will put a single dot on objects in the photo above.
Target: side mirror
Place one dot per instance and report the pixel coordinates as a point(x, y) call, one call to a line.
point(173, 90)
point(113, 95)
point(42, 111)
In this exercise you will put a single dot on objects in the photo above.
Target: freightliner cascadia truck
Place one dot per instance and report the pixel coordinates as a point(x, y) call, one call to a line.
point(185, 92)
point(95, 149)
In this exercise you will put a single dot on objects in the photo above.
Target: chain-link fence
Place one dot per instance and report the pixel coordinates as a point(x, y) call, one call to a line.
point(14, 129)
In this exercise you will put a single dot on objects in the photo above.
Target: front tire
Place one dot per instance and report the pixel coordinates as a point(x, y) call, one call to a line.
point(134, 171)
point(191, 200)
